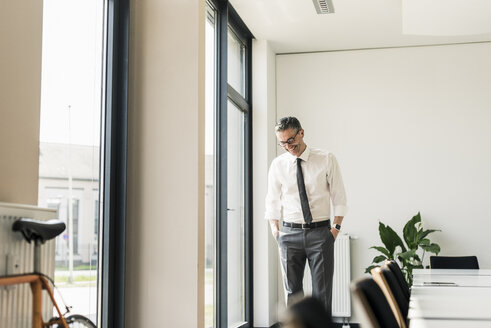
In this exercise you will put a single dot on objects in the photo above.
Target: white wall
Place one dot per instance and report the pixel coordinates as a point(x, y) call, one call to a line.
point(411, 128)
point(265, 248)
point(165, 233)
point(21, 25)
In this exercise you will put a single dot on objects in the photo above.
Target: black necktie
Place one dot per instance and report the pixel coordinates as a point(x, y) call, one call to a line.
point(304, 201)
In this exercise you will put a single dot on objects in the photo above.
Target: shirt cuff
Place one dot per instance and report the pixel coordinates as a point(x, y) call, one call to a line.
point(340, 210)
point(271, 216)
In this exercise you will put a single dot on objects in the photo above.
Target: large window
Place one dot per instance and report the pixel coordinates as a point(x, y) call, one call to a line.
point(82, 164)
point(70, 143)
point(236, 217)
point(210, 167)
point(228, 169)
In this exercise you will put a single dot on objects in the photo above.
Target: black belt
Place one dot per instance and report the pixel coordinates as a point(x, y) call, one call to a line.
point(307, 225)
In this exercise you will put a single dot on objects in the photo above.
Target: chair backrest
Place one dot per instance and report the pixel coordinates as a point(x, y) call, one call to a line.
point(379, 278)
point(375, 310)
point(396, 270)
point(396, 290)
point(454, 262)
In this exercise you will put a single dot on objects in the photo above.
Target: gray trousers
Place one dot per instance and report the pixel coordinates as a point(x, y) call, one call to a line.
point(315, 245)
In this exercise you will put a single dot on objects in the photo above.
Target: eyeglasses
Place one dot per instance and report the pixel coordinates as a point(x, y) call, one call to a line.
point(289, 141)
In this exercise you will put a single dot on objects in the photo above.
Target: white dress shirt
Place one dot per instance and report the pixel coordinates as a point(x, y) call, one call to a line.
point(323, 183)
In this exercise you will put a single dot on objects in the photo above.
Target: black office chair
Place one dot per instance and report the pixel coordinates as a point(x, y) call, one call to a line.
point(376, 311)
point(396, 289)
point(454, 262)
point(394, 303)
point(396, 270)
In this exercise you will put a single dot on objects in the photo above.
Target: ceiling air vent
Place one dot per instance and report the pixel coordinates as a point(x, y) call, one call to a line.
point(324, 6)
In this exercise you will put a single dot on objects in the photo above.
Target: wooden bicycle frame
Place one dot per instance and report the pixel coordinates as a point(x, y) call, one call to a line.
point(37, 282)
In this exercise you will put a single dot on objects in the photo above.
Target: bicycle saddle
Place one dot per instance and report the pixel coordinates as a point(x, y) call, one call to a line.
point(39, 231)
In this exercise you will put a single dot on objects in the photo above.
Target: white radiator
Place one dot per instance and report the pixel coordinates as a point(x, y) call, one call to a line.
point(16, 257)
point(341, 295)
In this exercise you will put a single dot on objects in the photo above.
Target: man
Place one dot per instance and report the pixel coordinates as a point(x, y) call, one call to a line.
point(302, 183)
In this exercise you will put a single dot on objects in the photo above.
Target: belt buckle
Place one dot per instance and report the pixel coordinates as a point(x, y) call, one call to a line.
point(305, 226)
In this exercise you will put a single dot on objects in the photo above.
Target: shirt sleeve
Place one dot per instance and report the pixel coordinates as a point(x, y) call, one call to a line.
point(273, 196)
point(336, 186)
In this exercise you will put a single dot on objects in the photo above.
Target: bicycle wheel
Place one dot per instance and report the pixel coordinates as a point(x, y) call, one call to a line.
point(79, 321)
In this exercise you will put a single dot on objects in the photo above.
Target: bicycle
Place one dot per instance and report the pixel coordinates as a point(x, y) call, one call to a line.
point(40, 232)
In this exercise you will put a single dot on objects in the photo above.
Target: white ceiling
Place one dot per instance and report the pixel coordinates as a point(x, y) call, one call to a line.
point(294, 25)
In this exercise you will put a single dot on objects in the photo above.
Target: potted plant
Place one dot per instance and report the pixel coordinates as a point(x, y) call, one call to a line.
point(405, 254)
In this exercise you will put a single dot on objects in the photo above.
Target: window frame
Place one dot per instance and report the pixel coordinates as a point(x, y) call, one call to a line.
point(228, 17)
point(113, 172)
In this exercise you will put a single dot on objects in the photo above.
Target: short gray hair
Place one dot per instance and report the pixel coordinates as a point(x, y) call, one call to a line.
point(286, 123)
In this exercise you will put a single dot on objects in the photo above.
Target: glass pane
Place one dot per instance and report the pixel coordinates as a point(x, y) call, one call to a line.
point(70, 143)
point(236, 63)
point(210, 211)
point(235, 218)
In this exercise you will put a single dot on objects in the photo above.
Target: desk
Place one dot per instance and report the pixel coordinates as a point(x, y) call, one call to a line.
point(453, 272)
point(442, 280)
point(439, 323)
point(450, 303)
point(464, 304)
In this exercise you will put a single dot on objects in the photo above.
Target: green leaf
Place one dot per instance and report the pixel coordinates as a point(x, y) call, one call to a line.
point(367, 270)
point(378, 259)
point(382, 250)
point(425, 233)
point(433, 248)
point(390, 239)
point(407, 255)
point(410, 232)
point(403, 262)
point(424, 242)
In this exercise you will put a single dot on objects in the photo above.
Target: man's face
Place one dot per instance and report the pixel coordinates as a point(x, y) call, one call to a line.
point(291, 140)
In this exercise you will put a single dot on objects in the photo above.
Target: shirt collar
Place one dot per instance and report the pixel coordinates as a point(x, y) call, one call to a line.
point(304, 157)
